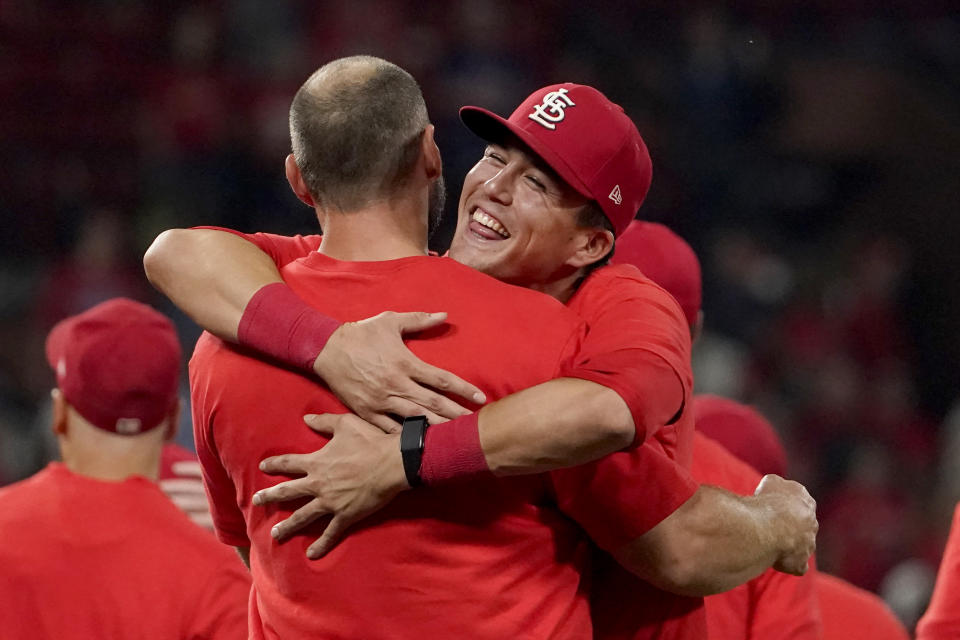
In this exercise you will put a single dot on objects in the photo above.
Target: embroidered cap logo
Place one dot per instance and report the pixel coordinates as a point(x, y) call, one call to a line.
point(615, 195)
point(551, 110)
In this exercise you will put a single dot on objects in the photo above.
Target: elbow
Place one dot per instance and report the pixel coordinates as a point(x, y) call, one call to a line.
point(666, 565)
point(159, 260)
point(613, 419)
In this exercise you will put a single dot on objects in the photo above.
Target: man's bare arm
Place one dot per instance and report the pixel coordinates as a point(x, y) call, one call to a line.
point(718, 540)
point(541, 428)
point(210, 275)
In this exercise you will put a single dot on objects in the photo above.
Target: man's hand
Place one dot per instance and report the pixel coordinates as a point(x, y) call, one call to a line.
point(185, 489)
point(797, 513)
point(357, 473)
point(367, 365)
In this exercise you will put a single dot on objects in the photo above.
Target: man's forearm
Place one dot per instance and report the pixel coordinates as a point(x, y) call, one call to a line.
point(714, 542)
point(210, 275)
point(560, 423)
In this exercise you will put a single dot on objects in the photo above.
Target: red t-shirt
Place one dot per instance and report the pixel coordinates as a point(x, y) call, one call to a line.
point(491, 559)
point(84, 558)
point(942, 619)
point(772, 606)
point(852, 613)
point(638, 344)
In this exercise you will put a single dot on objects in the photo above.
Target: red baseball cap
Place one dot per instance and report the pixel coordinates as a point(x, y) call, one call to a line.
point(118, 365)
point(587, 139)
point(665, 258)
point(742, 431)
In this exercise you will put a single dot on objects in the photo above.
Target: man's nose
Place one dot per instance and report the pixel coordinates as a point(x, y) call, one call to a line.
point(499, 187)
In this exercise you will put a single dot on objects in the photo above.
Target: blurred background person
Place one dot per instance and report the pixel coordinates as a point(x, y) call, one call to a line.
point(92, 546)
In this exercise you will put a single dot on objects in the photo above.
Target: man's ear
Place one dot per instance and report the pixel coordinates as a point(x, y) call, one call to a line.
point(295, 178)
point(432, 161)
point(173, 422)
point(593, 244)
point(58, 419)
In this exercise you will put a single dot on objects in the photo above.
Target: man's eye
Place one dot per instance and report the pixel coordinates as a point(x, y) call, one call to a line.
point(536, 182)
point(493, 155)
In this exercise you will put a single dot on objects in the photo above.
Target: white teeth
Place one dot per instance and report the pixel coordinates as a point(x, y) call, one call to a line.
point(490, 223)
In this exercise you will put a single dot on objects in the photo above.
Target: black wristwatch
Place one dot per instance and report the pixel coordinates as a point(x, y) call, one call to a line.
point(412, 437)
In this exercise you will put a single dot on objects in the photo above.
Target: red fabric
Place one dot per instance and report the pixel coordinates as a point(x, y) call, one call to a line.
point(742, 431)
point(639, 346)
point(493, 556)
point(452, 450)
point(118, 365)
point(83, 558)
point(627, 608)
point(605, 497)
point(172, 454)
point(772, 606)
point(851, 613)
point(276, 322)
point(942, 619)
point(665, 258)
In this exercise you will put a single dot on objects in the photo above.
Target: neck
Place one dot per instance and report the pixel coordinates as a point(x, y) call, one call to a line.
point(385, 230)
point(562, 288)
point(110, 457)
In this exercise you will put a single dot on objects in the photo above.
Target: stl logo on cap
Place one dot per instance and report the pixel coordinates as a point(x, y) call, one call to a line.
point(552, 109)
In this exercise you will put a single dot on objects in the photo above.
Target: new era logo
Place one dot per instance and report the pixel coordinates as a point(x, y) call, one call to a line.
point(615, 195)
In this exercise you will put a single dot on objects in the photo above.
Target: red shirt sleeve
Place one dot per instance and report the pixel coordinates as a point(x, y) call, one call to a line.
point(942, 619)
point(638, 345)
point(281, 249)
point(622, 496)
point(228, 520)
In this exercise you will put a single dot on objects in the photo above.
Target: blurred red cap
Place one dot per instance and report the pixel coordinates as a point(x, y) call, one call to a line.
point(742, 431)
point(665, 258)
point(587, 139)
point(117, 365)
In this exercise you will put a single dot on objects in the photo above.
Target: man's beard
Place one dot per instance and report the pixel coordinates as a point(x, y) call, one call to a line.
point(438, 197)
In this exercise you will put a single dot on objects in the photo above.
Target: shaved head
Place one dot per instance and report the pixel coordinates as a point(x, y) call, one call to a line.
point(355, 127)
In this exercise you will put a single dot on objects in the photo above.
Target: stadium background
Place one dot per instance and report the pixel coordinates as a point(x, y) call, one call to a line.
point(809, 151)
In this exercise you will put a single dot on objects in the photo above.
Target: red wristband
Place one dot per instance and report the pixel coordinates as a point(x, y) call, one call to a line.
point(452, 451)
point(279, 324)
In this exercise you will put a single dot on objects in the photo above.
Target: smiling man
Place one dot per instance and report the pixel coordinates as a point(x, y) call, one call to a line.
point(538, 210)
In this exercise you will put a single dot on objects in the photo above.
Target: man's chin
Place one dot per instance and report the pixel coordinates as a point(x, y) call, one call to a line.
point(481, 260)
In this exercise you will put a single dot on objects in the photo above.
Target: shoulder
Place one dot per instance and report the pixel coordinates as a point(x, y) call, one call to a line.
point(611, 285)
point(470, 288)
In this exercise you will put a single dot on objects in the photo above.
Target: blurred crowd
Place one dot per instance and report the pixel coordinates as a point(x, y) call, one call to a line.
point(807, 151)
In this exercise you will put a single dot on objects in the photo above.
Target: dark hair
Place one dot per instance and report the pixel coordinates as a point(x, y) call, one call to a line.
point(591, 216)
point(356, 126)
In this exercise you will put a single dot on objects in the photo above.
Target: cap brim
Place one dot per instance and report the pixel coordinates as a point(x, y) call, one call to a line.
point(493, 128)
